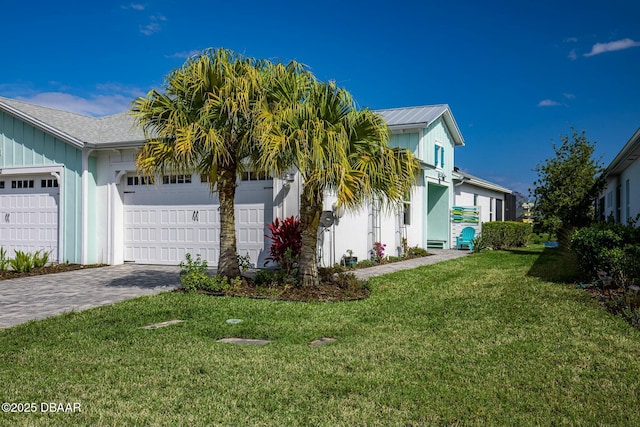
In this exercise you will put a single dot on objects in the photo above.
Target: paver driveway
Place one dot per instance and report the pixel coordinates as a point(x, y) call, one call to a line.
point(37, 297)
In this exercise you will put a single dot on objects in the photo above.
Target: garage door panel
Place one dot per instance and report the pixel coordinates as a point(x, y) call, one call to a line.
point(188, 221)
point(29, 217)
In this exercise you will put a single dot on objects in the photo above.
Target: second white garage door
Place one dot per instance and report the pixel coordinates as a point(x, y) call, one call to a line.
point(165, 221)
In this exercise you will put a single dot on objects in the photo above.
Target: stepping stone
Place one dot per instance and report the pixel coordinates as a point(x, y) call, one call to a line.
point(248, 341)
point(162, 324)
point(321, 341)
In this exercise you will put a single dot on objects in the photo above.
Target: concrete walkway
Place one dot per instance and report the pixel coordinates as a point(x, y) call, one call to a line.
point(37, 297)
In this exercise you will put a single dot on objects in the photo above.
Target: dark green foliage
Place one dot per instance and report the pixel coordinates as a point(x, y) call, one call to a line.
point(366, 263)
point(609, 247)
point(504, 235)
point(479, 244)
point(567, 186)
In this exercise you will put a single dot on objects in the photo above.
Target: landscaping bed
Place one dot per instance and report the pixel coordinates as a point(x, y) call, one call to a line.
point(48, 269)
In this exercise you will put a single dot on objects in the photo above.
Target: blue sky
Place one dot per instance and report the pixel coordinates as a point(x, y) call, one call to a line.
point(517, 75)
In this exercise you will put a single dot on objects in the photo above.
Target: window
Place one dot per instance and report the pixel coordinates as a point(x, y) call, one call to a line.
point(627, 200)
point(22, 183)
point(406, 205)
point(1, 184)
point(49, 183)
point(490, 208)
point(139, 180)
point(254, 176)
point(475, 199)
point(176, 179)
point(438, 155)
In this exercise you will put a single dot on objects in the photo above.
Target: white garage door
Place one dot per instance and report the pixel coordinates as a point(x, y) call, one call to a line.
point(29, 214)
point(165, 221)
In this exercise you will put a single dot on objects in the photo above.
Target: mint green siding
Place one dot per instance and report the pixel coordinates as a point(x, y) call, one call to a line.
point(22, 145)
point(437, 132)
point(92, 203)
point(409, 141)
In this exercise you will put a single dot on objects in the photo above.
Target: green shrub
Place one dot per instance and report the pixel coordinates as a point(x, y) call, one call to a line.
point(39, 260)
point(508, 234)
point(416, 251)
point(366, 263)
point(479, 244)
point(609, 247)
point(22, 262)
point(4, 261)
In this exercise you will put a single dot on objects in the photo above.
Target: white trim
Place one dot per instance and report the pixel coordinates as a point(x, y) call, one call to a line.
point(85, 206)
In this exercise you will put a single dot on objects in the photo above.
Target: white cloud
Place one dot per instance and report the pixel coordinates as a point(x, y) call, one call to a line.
point(184, 54)
point(571, 40)
point(153, 26)
point(573, 55)
point(134, 6)
point(95, 105)
point(548, 103)
point(599, 48)
point(569, 95)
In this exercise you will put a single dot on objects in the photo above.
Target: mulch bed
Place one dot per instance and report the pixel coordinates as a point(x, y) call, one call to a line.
point(325, 292)
point(49, 269)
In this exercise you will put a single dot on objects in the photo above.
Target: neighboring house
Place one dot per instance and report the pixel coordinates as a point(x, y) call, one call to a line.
point(431, 133)
point(621, 197)
point(495, 202)
point(68, 185)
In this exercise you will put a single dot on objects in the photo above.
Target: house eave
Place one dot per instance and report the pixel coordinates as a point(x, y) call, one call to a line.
point(629, 154)
point(42, 126)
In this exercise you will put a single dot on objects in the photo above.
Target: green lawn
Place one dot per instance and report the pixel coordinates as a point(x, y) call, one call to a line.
point(489, 339)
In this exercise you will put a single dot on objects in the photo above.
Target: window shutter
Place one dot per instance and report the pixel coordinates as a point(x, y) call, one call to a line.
point(442, 157)
point(435, 155)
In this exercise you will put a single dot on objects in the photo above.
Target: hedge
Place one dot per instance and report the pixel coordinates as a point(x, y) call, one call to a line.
point(507, 234)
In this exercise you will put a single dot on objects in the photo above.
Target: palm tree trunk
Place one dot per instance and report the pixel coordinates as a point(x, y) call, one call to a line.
point(310, 210)
point(228, 262)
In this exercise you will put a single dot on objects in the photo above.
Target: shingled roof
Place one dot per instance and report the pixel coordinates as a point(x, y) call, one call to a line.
point(77, 129)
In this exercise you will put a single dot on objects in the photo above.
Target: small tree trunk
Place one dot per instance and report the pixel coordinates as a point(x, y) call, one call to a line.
point(310, 210)
point(228, 262)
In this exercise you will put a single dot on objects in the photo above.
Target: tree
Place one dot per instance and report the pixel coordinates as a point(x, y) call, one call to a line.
point(567, 186)
point(203, 122)
point(316, 128)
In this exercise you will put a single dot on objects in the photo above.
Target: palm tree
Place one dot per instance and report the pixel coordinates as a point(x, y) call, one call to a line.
point(203, 123)
point(336, 148)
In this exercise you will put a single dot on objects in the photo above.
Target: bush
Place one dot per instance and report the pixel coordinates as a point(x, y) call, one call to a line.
point(286, 244)
point(22, 262)
point(4, 261)
point(39, 260)
point(416, 252)
point(365, 263)
point(507, 234)
point(609, 247)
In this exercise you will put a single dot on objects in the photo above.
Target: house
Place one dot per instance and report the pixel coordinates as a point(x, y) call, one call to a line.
point(68, 185)
point(431, 133)
point(495, 202)
point(621, 197)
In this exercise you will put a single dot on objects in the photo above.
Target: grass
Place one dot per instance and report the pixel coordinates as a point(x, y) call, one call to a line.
point(489, 339)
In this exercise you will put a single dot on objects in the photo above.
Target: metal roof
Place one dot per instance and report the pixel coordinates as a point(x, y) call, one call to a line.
point(467, 178)
point(421, 117)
